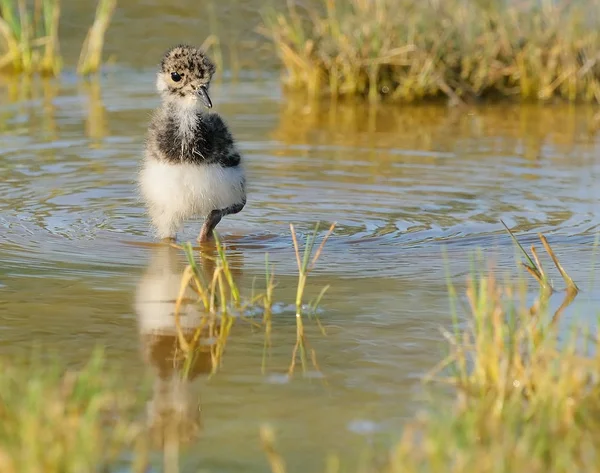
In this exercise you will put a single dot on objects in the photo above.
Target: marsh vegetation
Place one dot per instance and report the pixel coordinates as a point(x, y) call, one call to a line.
point(463, 50)
point(29, 37)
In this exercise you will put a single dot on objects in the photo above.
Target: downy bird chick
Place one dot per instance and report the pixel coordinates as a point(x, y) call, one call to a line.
point(191, 166)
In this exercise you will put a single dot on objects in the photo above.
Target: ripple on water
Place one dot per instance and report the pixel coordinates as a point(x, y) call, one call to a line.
point(404, 186)
point(386, 194)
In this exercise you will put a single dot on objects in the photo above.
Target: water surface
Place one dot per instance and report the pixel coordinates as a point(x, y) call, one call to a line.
point(402, 183)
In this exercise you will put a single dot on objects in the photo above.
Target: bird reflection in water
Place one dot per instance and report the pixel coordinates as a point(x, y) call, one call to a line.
point(174, 412)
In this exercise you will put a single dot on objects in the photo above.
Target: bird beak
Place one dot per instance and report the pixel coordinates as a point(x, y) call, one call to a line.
point(203, 94)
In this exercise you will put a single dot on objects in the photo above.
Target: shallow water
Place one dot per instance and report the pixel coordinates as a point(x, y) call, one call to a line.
point(402, 183)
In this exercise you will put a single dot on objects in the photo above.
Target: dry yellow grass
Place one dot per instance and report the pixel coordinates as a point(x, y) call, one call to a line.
point(412, 50)
point(29, 42)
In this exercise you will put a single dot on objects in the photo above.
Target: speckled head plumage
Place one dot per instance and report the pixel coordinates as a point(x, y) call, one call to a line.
point(185, 74)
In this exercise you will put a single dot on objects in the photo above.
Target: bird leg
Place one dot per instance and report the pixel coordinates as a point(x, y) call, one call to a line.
point(214, 218)
point(211, 221)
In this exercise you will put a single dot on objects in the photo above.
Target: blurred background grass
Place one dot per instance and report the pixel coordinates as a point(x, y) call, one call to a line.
point(397, 50)
point(29, 37)
point(411, 50)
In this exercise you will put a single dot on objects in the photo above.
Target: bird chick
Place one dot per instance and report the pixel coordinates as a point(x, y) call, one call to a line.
point(191, 167)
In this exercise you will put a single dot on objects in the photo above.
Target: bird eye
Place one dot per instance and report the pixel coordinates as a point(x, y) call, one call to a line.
point(175, 76)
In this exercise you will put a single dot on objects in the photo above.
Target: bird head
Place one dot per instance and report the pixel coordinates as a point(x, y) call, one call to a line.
point(184, 76)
